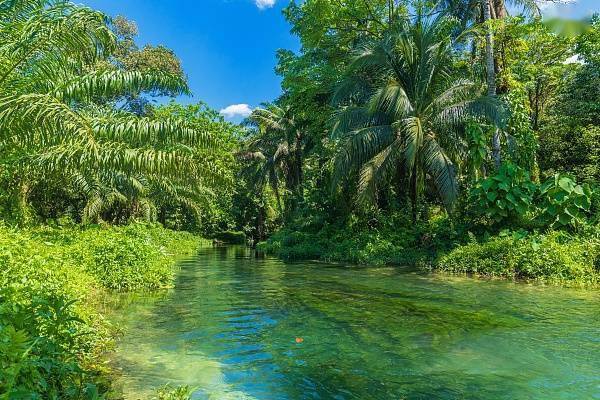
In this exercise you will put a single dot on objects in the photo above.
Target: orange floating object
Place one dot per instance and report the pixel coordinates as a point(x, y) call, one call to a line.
point(299, 340)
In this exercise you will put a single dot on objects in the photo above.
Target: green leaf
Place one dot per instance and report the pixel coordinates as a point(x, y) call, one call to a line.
point(583, 202)
point(566, 184)
point(521, 209)
point(564, 219)
point(487, 184)
point(510, 197)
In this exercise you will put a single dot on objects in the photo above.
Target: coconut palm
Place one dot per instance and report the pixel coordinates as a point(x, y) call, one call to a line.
point(57, 94)
point(279, 144)
point(403, 111)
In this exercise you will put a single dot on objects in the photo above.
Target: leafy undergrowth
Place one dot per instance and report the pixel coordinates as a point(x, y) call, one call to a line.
point(169, 392)
point(553, 256)
point(556, 257)
point(395, 241)
point(52, 337)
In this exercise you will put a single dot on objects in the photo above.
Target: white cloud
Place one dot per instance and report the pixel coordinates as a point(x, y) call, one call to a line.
point(236, 110)
point(262, 4)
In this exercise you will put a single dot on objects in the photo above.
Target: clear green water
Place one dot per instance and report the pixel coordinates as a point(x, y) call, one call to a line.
point(229, 328)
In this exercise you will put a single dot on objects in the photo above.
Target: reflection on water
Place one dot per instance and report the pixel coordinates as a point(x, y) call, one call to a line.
point(229, 329)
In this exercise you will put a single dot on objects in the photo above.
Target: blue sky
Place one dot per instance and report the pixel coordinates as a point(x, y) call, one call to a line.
point(228, 46)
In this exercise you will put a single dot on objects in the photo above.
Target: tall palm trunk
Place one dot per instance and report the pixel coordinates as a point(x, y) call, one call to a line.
point(23, 203)
point(491, 73)
point(500, 8)
point(414, 194)
point(298, 166)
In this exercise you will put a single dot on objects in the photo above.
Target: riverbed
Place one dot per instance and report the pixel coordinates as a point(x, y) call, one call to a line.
point(238, 326)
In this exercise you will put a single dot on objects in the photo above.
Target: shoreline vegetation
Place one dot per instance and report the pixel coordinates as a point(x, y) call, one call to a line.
point(552, 257)
point(53, 339)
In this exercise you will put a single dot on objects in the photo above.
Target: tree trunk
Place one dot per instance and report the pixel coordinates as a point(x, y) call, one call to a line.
point(298, 161)
point(23, 203)
point(414, 194)
point(491, 74)
point(402, 186)
point(162, 216)
point(500, 9)
point(261, 224)
point(278, 199)
point(536, 105)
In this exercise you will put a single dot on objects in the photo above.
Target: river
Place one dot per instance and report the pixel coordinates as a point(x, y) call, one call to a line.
point(240, 327)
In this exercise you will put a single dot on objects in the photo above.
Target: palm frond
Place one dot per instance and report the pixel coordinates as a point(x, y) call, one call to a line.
point(442, 171)
point(111, 84)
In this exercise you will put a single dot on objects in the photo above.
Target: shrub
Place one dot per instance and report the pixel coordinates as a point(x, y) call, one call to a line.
point(555, 256)
point(510, 198)
point(392, 242)
point(503, 197)
point(564, 203)
point(169, 392)
point(41, 346)
point(51, 333)
point(132, 257)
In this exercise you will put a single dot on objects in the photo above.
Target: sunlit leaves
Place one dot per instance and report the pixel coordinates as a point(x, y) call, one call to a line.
point(564, 202)
point(110, 84)
point(507, 195)
point(60, 109)
point(407, 113)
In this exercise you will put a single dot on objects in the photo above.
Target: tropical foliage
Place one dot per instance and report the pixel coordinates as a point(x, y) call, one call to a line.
point(448, 134)
point(564, 202)
point(506, 196)
point(453, 111)
point(62, 128)
point(405, 115)
point(80, 142)
point(51, 334)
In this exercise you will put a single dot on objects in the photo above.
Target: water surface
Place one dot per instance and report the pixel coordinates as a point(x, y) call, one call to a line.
point(241, 327)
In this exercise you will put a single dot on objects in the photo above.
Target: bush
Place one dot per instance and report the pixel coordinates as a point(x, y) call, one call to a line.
point(396, 242)
point(564, 203)
point(510, 198)
point(51, 333)
point(554, 257)
point(169, 392)
point(506, 196)
point(41, 346)
point(133, 257)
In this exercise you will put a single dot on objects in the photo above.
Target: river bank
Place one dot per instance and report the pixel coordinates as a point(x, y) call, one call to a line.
point(548, 256)
point(53, 336)
point(53, 323)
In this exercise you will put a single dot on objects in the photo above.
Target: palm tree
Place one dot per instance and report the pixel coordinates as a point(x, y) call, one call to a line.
point(280, 143)
point(56, 110)
point(404, 112)
point(483, 11)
